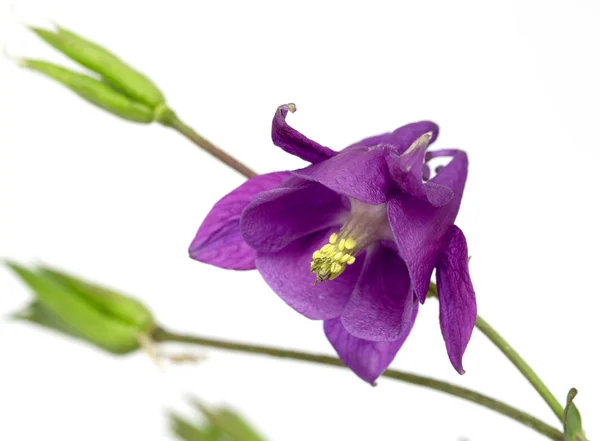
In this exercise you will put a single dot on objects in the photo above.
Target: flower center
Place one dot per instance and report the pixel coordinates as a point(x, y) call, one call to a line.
point(365, 225)
point(331, 260)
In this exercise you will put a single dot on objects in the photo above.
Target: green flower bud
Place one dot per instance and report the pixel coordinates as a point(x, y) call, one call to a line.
point(96, 58)
point(95, 91)
point(126, 309)
point(69, 305)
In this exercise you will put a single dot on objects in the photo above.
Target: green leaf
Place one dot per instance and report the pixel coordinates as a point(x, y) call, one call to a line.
point(189, 432)
point(573, 429)
point(229, 423)
point(219, 424)
point(235, 426)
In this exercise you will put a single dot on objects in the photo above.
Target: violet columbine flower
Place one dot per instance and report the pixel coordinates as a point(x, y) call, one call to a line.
point(353, 240)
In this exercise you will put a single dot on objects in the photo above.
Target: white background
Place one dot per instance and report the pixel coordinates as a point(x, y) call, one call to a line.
point(515, 83)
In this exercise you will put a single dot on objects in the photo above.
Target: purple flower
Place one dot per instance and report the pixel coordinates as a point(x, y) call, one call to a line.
point(353, 240)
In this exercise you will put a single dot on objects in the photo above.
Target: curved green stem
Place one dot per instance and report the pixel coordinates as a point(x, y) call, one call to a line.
point(169, 119)
point(521, 365)
point(515, 358)
point(162, 335)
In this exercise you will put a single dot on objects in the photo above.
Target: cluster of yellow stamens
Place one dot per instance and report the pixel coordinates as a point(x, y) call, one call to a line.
point(331, 260)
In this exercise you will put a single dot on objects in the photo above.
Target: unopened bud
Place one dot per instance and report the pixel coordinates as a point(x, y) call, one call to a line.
point(100, 316)
point(95, 91)
point(123, 77)
point(126, 309)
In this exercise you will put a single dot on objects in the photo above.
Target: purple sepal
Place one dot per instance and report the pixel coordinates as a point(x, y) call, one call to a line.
point(368, 359)
point(219, 241)
point(458, 308)
point(294, 142)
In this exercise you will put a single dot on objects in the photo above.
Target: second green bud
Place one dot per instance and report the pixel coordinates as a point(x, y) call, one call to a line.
point(92, 313)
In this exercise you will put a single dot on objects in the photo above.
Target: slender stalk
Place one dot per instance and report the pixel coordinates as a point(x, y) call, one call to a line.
point(172, 121)
point(515, 358)
point(521, 365)
point(162, 335)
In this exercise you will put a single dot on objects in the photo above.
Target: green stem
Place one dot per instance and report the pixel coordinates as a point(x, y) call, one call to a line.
point(515, 358)
point(521, 365)
point(162, 335)
point(169, 119)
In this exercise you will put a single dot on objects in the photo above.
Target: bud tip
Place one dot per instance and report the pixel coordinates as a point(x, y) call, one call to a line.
point(29, 21)
point(17, 60)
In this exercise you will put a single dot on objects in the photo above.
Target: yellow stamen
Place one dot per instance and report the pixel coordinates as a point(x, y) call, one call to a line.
point(332, 259)
point(350, 243)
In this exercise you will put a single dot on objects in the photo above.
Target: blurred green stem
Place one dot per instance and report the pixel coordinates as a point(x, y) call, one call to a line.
point(521, 365)
point(169, 119)
point(162, 335)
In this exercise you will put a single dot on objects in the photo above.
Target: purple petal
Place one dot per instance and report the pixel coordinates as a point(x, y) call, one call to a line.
point(360, 172)
point(371, 141)
point(458, 308)
point(218, 240)
point(407, 171)
point(438, 153)
point(420, 228)
point(454, 175)
point(368, 359)
point(295, 142)
point(382, 303)
point(298, 207)
point(401, 138)
point(426, 172)
point(287, 272)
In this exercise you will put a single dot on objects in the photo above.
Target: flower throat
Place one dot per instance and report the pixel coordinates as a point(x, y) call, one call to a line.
point(366, 224)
